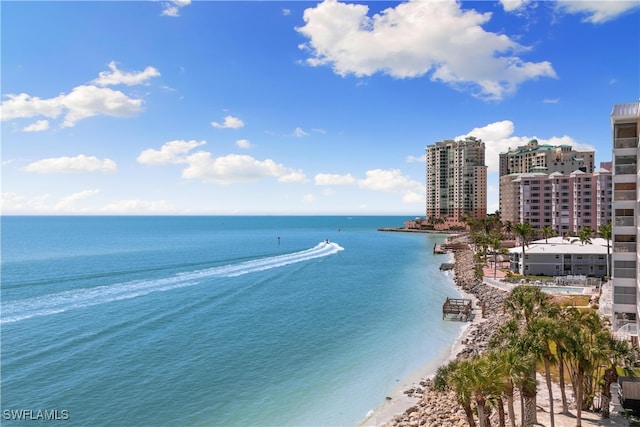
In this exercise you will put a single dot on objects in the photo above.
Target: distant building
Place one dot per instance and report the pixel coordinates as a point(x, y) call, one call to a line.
point(561, 256)
point(625, 124)
point(564, 202)
point(554, 186)
point(545, 158)
point(456, 180)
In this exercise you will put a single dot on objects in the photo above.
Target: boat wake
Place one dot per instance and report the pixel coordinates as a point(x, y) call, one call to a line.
point(17, 310)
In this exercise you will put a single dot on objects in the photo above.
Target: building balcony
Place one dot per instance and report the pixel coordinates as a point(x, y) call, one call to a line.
point(624, 221)
point(625, 143)
point(629, 169)
point(624, 195)
point(624, 247)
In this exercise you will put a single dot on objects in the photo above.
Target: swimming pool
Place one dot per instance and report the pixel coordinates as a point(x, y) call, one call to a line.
point(573, 290)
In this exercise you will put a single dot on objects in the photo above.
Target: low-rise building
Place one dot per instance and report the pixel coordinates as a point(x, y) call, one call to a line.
point(561, 256)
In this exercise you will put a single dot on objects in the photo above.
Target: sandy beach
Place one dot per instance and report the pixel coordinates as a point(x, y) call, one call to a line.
point(414, 403)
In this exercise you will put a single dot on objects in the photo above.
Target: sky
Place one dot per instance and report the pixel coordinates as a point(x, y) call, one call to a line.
point(292, 107)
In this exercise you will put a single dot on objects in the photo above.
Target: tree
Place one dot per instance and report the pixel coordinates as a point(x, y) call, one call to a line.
point(525, 302)
point(605, 232)
point(508, 229)
point(495, 243)
point(455, 376)
point(542, 333)
point(546, 232)
point(619, 353)
point(585, 235)
point(526, 232)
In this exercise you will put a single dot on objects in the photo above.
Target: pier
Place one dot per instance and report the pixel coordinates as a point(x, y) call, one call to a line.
point(459, 307)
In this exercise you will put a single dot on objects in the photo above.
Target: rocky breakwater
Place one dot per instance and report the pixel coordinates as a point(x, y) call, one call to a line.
point(442, 409)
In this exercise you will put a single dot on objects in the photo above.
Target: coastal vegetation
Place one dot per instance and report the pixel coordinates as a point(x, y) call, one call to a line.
point(573, 345)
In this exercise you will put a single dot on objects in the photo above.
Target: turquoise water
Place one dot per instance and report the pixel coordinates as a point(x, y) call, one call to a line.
point(225, 321)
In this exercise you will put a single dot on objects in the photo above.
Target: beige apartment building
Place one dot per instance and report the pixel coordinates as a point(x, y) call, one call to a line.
point(456, 180)
point(625, 125)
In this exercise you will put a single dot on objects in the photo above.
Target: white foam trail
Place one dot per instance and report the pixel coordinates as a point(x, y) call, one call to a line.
point(14, 311)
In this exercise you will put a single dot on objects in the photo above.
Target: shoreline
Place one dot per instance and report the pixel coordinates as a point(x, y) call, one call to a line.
point(414, 399)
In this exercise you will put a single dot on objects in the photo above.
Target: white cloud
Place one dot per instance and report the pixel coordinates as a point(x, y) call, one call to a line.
point(597, 12)
point(414, 159)
point(230, 122)
point(139, 206)
point(551, 101)
point(39, 126)
point(244, 143)
point(299, 132)
point(334, 179)
point(82, 102)
point(499, 137)
point(293, 176)
point(67, 203)
point(16, 203)
point(20, 204)
point(23, 105)
point(309, 198)
point(446, 41)
point(116, 77)
point(88, 101)
point(390, 180)
point(170, 152)
point(233, 168)
point(80, 163)
point(172, 8)
point(512, 5)
point(286, 12)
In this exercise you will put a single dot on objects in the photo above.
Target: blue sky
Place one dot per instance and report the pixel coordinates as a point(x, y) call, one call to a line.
point(264, 107)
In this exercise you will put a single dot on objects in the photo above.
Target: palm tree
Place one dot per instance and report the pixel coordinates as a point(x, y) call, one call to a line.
point(525, 231)
point(605, 232)
point(542, 332)
point(510, 338)
point(585, 345)
point(619, 353)
point(525, 302)
point(513, 367)
point(495, 243)
point(455, 376)
point(546, 232)
point(585, 235)
point(508, 228)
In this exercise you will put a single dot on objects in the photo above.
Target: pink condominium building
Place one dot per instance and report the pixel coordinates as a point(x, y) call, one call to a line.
point(555, 186)
point(565, 202)
point(456, 180)
point(625, 125)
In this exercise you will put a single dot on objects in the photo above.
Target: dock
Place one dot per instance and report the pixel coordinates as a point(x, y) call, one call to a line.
point(445, 266)
point(458, 307)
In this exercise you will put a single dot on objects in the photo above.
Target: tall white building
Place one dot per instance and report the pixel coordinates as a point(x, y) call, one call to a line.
point(625, 124)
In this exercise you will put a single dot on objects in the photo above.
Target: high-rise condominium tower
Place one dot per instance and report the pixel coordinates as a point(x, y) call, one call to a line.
point(625, 124)
point(456, 180)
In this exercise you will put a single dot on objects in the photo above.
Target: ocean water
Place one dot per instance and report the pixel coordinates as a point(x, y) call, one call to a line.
point(214, 321)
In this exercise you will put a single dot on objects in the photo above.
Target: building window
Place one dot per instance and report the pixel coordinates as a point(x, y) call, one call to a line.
point(624, 191)
point(624, 269)
point(624, 243)
point(624, 295)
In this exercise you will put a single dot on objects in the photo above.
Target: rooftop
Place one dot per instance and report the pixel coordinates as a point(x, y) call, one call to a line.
point(626, 110)
point(565, 245)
